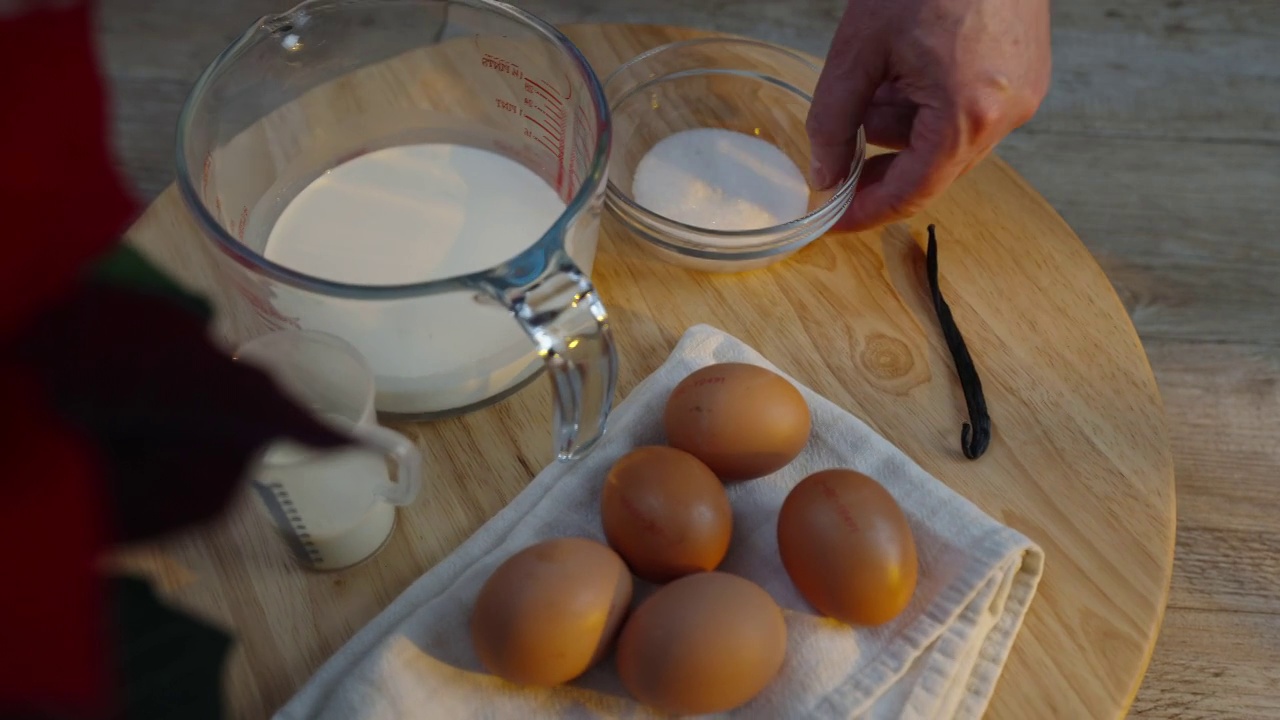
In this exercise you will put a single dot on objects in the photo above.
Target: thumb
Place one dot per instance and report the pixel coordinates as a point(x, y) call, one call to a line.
point(848, 81)
point(902, 184)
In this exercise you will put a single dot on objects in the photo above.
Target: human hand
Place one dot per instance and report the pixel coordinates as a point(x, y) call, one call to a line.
point(940, 81)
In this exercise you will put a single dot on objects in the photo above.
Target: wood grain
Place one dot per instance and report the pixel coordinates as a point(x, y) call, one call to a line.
point(1075, 402)
point(1216, 657)
point(1136, 180)
point(1124, 69)
point(1250, 18)
point(1229, 543)
point(1213, 665)
point(1184, 229)
point(1136, 197)
point(1164, 69)
point(1185, 232)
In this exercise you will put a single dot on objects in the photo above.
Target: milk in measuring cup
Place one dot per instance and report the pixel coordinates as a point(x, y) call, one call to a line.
point(414, 213)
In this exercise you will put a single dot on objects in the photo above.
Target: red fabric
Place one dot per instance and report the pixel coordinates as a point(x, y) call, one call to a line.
point(63, 201)
point(52, 622)
point(61, 205)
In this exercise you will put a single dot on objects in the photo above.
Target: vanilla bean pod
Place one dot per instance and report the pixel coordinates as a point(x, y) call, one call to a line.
point(976, 434)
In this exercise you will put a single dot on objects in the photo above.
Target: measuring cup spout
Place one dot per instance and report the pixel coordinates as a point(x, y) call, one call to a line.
point(568, 323)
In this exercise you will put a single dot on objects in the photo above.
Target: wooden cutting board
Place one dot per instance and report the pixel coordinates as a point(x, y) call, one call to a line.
point(1080, 460)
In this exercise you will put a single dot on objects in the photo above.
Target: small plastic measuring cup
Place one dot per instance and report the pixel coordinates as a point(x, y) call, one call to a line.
point(333, 508)
point(304, 91)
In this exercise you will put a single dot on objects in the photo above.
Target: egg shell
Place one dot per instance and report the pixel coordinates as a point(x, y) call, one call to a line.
point(665, 513)
point(742, 420)
point(848, 548)
point(550, 611)
point(708, 642)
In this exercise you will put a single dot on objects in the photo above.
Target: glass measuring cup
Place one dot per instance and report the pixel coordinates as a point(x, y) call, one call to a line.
point(329, 81)
point(333, 508)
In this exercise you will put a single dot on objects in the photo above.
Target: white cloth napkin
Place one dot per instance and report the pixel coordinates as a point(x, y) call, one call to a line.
point(939, 659)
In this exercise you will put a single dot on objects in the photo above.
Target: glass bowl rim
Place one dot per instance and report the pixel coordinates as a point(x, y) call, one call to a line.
point(656, 223)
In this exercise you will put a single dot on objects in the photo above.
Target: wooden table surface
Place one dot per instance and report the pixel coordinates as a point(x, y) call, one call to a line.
point(1080, 461)
point(1159, 145)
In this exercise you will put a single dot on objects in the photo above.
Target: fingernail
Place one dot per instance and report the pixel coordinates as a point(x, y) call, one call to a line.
point(818, 177)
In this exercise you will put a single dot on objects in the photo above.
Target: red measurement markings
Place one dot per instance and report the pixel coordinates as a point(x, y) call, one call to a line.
point(573, 171)
point(533, 86)
point(543, 142)
point(204, 182)
point(549, 109)
point(217, 204)
point(545, 129)
point(259, 299)
point(502, 65)
point(552, 113)
point(553, 119)
point(244, 220)
point(549, 130)
point(552, 126)
point(581, 144)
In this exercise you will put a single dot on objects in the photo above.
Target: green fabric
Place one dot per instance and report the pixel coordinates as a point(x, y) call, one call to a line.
point(175, 423)
point(125, 267)
point(170, 664)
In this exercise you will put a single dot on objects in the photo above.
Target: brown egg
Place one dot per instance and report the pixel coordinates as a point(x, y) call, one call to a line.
point(665, 513)
point(742, 420)
point(705, 643)
point(550, 612)
point(847, 547)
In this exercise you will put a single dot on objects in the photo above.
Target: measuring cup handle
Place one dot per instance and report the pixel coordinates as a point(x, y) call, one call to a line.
point(407, 456)
point(567, 321)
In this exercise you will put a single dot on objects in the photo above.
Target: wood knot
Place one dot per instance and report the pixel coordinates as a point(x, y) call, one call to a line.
point(886, 358)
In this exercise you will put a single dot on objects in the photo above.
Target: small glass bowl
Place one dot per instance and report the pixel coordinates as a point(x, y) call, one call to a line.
point(748, 86)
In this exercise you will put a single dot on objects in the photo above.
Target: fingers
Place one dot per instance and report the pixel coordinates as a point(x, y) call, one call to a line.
point(899, 185)
point(889, 126)
point(873, 171)
point(940, 81)
point(849, 78)
point(938, 145)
